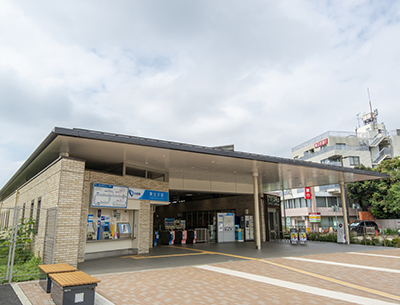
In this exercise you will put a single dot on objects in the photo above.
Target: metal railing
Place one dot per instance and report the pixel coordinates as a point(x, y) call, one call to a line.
point(341, 134)
point(21, 239)
point(386, 151)
point(309, 155)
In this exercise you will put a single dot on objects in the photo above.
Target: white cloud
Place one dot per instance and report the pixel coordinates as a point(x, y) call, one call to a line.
point(263, 75)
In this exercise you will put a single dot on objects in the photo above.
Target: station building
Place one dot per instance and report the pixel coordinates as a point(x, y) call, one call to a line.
point(369, 145)
point(111, 192)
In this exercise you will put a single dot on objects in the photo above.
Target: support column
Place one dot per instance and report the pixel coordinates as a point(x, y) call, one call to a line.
point(284, 208)
point(344, 207)
point(256, 211)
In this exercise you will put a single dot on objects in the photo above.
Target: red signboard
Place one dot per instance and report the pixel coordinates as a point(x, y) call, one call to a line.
point(321, 143)
point(307, 193)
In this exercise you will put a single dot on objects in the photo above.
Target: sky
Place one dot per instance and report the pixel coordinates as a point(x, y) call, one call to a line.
point(262, 75)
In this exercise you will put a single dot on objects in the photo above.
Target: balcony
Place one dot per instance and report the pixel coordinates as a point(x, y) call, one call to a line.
point(341, 134)
point(327, 149)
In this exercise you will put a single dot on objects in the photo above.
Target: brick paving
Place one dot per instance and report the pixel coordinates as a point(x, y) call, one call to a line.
point(190, 285)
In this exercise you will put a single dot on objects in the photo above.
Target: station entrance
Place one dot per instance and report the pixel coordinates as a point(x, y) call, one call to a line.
point(215, 218)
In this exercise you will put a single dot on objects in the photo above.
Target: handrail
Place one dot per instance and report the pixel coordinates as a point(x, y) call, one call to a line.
point(383, 152)
point(309, 155)
point(327, 134)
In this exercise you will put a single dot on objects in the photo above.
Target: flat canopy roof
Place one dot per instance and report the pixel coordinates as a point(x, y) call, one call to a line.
point(189, 167)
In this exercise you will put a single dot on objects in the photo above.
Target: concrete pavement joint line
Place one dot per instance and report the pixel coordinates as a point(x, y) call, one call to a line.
point(20, 294)
point(373, 291)
point(100, 300)
point(342, 264)
point(299, 287)
point(160, 256)
point(370, 254)
point(339, 282)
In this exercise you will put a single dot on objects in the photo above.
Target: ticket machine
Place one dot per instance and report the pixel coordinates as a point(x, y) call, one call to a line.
point(226, 227)
point(247, 224)
point(106, 232)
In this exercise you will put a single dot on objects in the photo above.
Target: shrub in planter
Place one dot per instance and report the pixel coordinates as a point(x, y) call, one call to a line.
point(396, 242)
point(311, 236)
point(376, 241)
point(331, 237)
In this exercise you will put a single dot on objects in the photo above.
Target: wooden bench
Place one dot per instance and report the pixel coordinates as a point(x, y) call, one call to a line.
point(76, 278)
point(73, 287)
point(46, 270)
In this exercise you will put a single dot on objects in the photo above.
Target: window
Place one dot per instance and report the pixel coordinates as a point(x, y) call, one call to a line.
point(341, 146)
point(302, 203)
point(39, 203)
point(332, 201)
point(23, 210)
point(31, 212)
point(321, 202)
point(145, 174)
point(155, 176)
point(354, 161)
point(297, 203)
point(32, 207)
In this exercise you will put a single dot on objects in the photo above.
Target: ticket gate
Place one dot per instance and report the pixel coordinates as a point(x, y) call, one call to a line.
point(167, 237)
point(191, 236)
point(180, 237)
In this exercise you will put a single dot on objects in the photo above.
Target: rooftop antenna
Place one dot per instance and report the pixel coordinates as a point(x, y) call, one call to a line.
point(370, 107)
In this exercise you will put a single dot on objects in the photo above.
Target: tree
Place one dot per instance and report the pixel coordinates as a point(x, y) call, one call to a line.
point(385, 201)
point(382, 196)
point(362, 192)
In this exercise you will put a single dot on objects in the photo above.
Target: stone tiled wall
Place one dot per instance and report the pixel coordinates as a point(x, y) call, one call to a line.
point(145, 227)
point(69, 211)
point(59, 185)
point(66, 185)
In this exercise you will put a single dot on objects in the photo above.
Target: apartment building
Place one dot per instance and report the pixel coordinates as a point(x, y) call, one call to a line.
point(369, 145)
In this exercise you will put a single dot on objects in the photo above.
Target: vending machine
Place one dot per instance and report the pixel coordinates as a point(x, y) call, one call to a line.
point(226, 227)
point(247, 224)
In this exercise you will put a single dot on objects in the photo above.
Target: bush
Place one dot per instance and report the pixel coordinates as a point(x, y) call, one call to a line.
point(396, 242)
point(376, 241)
point(25, 263)
point(389, 231)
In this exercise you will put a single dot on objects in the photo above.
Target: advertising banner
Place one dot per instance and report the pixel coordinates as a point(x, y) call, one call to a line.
point(294, 236)
point(314, 217)
point(321, 143)
point(302, 236)
point(307, 193)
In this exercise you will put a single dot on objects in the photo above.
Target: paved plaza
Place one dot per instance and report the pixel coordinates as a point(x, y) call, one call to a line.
point(280, 273)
